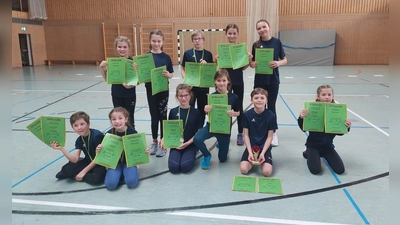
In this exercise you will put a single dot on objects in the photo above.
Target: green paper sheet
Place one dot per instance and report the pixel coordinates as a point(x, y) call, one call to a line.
point(111, 152)
point(224, 56)
point(173, 133)
point(220, 122)
point(53, 130)
point(239, 55)
point(314, 121)
point(116, 70)
point(192, 74)
point(217, 99)
point(36, 128)
point(263, 57)
point(246, 184)
point(207, 73)
point(335, 118)
point(269, 185)
point(135, 149)
point(130, 73)
point(159, 83)
point(145, 63)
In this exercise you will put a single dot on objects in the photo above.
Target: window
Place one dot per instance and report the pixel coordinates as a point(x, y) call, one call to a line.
point(20, 5)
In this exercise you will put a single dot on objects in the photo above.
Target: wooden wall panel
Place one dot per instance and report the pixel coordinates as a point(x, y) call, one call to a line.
point(18, 14)
point(310, 7)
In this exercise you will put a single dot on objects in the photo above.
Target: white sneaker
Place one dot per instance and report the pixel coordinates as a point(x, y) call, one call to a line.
point(153, 148)
point(275, 141)
point(160, 152)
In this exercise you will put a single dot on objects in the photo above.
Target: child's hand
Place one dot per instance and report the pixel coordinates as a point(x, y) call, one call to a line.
point(207, 108)
point(127, 86)
point(347, 123)
point(251, 157)
point(183, 146)
point(167, 74)
point(250, 56)
point(303, 113)
point(202, 61)
point(253, 64)
point(216, 57)
point(231, 113)
point(55, 145)
point(261, 158)
point(103, 65)
point(80, 176)
point(273, 64)
point(148, 151)
point(98, 148)
point(134, 65)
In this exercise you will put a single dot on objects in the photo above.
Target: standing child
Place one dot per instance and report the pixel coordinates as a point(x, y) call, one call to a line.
point(259, 124)
point(232, 33)
point(123, 95)
point(320, 144)
point(222, 86)
point(82, 169)
point(182, 159)
point(269, 82)
point(158, 103)
point(199, 55)
point(119, 118)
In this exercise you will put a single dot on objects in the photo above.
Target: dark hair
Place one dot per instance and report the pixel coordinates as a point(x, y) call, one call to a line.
point(221, 73)
point(324, 86)
point(258, 42)
point(156, 32)
point(121, 39)
point(231, 25)
point(122, 110)
point(79, 115)
point(259, 91)
point(182, 87)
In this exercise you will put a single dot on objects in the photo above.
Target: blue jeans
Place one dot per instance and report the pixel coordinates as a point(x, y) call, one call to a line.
point(131, 176)
point(223, 141)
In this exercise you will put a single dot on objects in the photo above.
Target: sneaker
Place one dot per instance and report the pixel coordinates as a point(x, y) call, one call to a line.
point(275, 141)
point(305, 154)
point(160, 152)
point(60, 175)
point(240, 140)
point(153, 148)
point(205, 162)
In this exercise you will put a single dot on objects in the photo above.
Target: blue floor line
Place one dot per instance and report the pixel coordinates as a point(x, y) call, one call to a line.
point(333, 173)
point(32, 99)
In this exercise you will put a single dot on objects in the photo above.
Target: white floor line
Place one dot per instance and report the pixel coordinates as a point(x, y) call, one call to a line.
point(251, 219)
point(19, 92)
point(71, 205)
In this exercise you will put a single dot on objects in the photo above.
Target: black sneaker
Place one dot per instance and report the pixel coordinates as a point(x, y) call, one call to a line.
point(60, 175)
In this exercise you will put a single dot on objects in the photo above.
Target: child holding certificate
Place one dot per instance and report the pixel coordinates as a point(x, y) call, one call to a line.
point(120, 126)
point(123, 95)
point(259, 124)
point(158, 103)
point(82, 169)
point(267, 55)
point(223, 84)
point(182, 158)
point(236, 75)
point(198, 54)
point(320, 144)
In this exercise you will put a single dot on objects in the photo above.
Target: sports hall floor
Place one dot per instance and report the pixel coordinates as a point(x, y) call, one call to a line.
point(359, 196)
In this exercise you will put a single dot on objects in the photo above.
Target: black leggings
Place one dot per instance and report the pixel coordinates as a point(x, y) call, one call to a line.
point(201, 97)
point(239, 91)
point(182, 160)
point(158, 106)
point(95, 176)
point(272, 90)
point(330, 155)
point(129, 104)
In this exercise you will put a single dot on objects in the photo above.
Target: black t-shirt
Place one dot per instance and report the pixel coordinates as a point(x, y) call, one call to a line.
point(89, 144)
point(259, 125)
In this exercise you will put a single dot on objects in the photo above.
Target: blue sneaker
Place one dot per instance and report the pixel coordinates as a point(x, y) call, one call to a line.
point(240, 140)
point(205, 162)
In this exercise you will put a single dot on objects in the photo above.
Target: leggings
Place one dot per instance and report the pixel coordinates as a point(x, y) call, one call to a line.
point(182, 160)
point(158, 106)
point(201, 97)
point(239, 91)
point(94, 177)
point(129, 104)
point(330, 155)
point(131, 176)
point(223, 141)
point(272, 90)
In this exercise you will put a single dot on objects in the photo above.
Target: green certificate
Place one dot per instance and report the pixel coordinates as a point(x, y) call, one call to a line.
point(53, 130)
point(36, 128)
point(135, 149)
point(224, 56)
point(173, 133)
point(239, 55)
point(314, 121)
point(116, 70)
point(192, 74)
point(207, 73)
point(246, 184)
point(220, 122)
point(159, 83)
point(111, 152)
point(263, 57)
point(335, 118)
point(269, 185)
point(145, 63)
point(217, 99)
point(130, 75)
